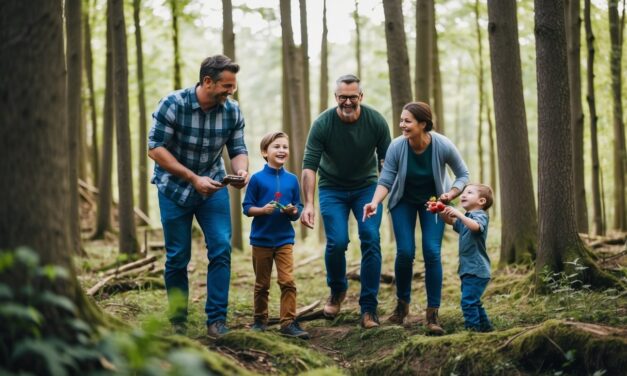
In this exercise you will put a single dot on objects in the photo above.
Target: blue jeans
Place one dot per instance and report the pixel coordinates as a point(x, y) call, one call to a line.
point(404, 216)
point(475, 316)
point(335, 207)
point(213, 215)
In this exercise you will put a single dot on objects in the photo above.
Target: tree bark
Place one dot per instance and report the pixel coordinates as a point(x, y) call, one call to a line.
point(599, 225)
point(34, 207)
point(103, 216)
point(141, 98)
point(357, 35)
point(324, 83)
point(573, 35)
point(620, 155)
point(559, 245)
point(89, 74)
point(304, 46)
point(126, 216)
point(398, 60)
point(74, 78)
point(424, 49)
point(235, 196)
point(518, 209)
point(438, 100)
point(175, 45)
point(480, 93)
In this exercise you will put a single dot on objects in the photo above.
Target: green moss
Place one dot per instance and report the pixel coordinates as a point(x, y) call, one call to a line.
point(329, 371)
point(290, 356)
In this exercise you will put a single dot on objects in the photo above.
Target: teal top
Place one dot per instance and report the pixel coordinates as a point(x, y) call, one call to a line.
point(347, 155)
point(419, 184)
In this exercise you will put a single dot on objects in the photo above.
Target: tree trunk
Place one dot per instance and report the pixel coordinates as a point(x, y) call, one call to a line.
point(493, 157)
point(175, 45)
point(357, 35)
point(141, 97)
point(74, 76)
point(398, 60)
point(599, 225)
point(573, 35)
point(304, 45)
point(235, 196)
point(126, 215)
point(89, 73)
point(620, 155)
point(103, 216)
point(480, 93)
point(438, 100)
point(324, 84)
point(518, 209)
point(424, 48)
point(559, 245)
point(34, 207)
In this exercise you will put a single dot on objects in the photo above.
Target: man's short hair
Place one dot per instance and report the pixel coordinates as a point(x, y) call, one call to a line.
point(348, 79)
point(213, 66)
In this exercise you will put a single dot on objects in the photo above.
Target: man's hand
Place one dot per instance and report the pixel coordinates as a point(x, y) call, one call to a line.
point(308, 216)
point(242, 184)
point(205, 185)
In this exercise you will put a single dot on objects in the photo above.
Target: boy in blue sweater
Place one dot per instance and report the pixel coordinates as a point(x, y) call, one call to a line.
point(273, 199)
point(474, 264)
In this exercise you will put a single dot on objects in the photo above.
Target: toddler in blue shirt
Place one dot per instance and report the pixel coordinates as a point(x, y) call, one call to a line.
point(474, 264)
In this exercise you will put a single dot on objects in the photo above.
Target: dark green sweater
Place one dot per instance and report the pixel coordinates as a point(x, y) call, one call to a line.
point(344, 153)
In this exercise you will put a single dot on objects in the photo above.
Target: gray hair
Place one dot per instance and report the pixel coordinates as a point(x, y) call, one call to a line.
point(348, 79)
point(213, 66)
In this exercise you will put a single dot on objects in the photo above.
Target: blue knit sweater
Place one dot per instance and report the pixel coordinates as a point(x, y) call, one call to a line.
point(272, 230)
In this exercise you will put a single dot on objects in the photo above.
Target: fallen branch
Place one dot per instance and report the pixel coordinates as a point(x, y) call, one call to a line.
point(307, 261)
point(132, 265)
point(152, 268)
point(516, 336)
point(299, 313)
point(133, 284)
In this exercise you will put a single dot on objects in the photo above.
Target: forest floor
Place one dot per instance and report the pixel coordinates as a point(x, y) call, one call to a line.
point(567, 331)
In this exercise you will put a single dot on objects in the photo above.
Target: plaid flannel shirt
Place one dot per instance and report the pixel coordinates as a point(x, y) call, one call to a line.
point(195, 138)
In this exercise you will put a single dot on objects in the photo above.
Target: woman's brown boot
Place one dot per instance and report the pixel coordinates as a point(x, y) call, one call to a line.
point(432, 322)
point(400, 312)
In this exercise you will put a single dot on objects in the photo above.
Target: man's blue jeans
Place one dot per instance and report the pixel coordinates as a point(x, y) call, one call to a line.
point(335, 207)
point(404, 216)
point(475, 316)
point(213, 216)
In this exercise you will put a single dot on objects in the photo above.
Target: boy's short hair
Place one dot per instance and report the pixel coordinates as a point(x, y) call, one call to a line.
point(485, 192)
point(269, 138)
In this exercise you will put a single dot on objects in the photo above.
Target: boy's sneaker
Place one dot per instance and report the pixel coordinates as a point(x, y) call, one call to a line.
point(369, 320)
point(217, 329)
point(486, 327)
point(259, 326)
point(294, 330)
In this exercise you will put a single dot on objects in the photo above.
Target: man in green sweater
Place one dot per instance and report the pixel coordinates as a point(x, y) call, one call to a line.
point(347, 146)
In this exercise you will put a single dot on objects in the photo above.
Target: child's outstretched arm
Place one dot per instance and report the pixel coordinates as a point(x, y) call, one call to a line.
point(468, 222)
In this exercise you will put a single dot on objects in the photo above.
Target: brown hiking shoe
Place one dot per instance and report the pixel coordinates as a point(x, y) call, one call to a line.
point(432, 322)
point(333, 304)
point(369, 320)
point(400, 312)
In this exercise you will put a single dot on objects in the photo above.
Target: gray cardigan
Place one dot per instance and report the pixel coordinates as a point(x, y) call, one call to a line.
point(444, 153)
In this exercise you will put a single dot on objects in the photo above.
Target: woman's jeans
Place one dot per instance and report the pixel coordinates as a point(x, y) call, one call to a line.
point(213, 216)
point(404, 216)
point(335, 207)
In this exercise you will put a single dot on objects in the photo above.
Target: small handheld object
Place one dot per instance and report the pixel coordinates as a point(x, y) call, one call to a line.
point(228, 179)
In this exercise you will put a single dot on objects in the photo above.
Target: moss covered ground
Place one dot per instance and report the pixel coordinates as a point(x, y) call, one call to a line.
point(567, 331)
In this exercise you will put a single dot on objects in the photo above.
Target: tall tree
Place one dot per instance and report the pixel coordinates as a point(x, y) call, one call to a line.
point(519, 222)
point(175, 44)
point(228, 43)
point(141, 98)
point(304, 49)
point(424, 46)
point(324, 82)
point(103, 214)
point(74, 77)
point(89, 74)
point(34, 140)
point(573, 36)
point(480, 92)
point(599, 225)
point(559, 245)
point(620, 154)
point(398, 60)
point(357, 36)
point(438, 99)
point(126, 217)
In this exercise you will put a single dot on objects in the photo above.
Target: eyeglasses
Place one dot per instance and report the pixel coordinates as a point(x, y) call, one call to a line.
point(343, 98)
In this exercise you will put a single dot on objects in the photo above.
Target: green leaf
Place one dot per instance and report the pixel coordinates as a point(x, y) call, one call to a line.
point(7, 260)
point(58, 301)
point(5, 292)
point(52, 272)
point(27, 257)
point(32, 350)
point(13, 311)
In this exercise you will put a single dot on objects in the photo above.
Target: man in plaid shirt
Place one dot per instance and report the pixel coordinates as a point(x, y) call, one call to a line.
point(190, 128)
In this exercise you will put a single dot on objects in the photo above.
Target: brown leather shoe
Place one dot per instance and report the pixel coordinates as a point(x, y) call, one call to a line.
point(369, 320)
point(432, 322)
point(333, 304)
point(400, 312)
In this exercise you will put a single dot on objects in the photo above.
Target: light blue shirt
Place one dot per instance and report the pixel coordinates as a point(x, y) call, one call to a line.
point(473, 258)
